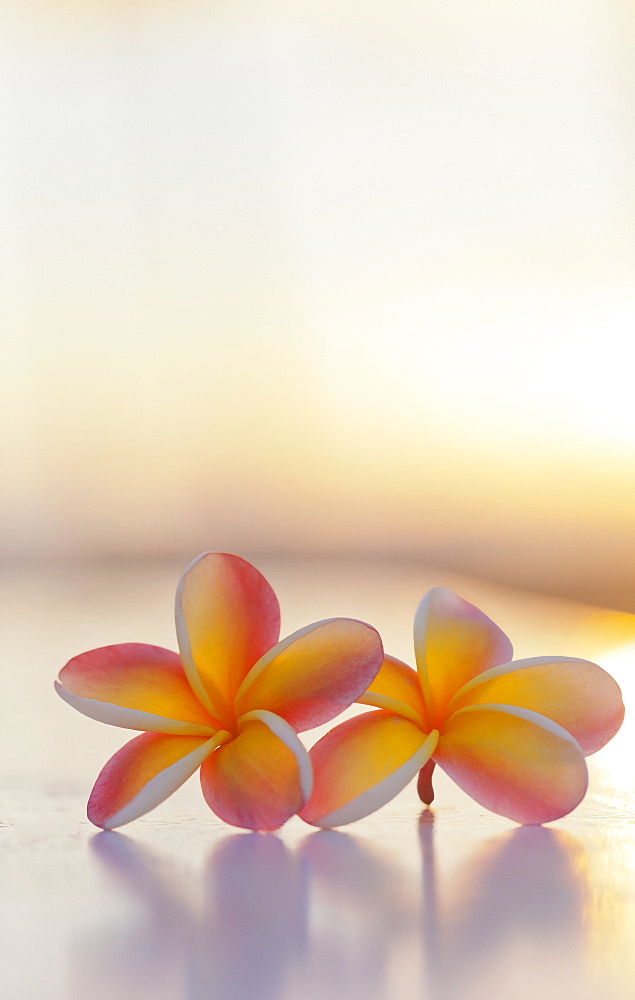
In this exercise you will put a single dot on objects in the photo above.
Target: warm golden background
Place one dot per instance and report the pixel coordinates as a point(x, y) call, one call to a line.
point(322, 277)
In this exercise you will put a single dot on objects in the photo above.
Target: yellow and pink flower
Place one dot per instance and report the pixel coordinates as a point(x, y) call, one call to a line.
point(512, 734)
point(230, 704)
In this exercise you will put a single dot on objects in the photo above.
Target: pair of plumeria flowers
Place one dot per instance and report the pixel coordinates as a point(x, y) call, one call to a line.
point(512, 734)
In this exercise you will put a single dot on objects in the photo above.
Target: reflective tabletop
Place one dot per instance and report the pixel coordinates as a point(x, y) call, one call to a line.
point(447, 903)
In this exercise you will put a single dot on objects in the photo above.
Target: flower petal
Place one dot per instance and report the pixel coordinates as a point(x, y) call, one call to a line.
point(362, 764)
point(314, 674)
point(143, 773)
point(454, 642)
point(397, 689)
point(135, 686)
point(260, 778)
point(513, 761)
point(227, 616)
point(577, 694)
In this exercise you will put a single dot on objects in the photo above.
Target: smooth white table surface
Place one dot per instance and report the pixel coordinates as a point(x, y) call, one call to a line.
point(453, 903)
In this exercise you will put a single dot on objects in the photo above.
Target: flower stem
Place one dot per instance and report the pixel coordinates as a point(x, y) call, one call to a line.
point(424, 784)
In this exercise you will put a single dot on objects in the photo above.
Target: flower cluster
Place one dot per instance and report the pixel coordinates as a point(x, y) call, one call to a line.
point(513, 734)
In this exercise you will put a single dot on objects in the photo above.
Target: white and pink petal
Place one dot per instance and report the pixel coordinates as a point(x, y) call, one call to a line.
point(362, 764)
point(259, 779)
point(397, 689)
point(514, 762)
point(577, 694)
point(144, 773)
point(454, 641)
point(135, 686)
point(314, 674)
point(227, 617)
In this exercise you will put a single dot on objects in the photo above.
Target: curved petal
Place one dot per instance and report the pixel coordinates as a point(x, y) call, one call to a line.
point(135, 686)
point(577, 694)
point(454, 642)
point(227, 616)
point(261, 777)
point(143, 773)
point(513, 761)
point(314, 674)
point(362, 764)
point(397, 689)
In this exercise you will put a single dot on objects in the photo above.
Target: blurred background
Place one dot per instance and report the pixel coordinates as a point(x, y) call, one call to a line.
point(321, 278)
point(347, 288)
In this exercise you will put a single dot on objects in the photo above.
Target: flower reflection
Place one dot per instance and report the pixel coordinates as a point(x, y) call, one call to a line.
point(511, 920)
point(143, 943)
point(337, 918)
point(236, 935)
point(253, 930)
point(363, 909)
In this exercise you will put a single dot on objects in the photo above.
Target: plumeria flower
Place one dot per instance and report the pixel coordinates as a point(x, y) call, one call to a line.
point(512, 734)
point(232, 703)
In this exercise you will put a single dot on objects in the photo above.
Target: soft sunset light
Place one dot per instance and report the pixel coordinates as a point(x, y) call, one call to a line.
point(280, 284)
point(339, 295)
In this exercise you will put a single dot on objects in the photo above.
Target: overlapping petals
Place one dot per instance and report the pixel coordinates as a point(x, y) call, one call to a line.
point(513, 735)
point(513, 761)
point(313, 675)
point(363, 763)
point(576, 694)
point(261, 777)
point(231, 703)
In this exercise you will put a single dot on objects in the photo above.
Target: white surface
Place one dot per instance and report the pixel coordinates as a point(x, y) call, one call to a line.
point(451, 905)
